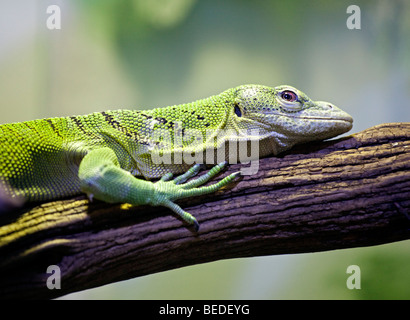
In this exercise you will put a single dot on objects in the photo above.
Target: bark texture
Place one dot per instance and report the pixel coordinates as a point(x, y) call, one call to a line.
point(344, 193)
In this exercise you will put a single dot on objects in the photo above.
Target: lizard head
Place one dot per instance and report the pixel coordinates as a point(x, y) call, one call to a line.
point(287, 115)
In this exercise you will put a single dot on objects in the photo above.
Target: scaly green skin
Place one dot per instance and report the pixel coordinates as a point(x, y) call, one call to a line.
point(101, 153)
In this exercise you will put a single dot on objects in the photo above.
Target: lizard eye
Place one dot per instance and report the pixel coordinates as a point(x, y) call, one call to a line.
point(289, 96)
point(289, 100)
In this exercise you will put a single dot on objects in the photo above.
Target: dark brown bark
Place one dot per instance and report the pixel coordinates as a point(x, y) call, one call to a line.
point(349, 192)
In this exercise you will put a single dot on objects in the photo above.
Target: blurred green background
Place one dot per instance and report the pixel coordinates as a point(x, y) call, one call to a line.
point(112, 54)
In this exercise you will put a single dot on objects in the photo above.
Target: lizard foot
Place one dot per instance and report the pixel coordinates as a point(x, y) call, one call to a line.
point(168, 190)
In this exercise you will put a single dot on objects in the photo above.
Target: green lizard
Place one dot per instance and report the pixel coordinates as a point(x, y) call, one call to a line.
point(103, 153)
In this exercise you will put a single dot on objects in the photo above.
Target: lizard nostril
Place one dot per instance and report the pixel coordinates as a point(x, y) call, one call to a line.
point(330, 106)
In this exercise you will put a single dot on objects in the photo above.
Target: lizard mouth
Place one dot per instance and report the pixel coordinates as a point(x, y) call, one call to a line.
point(345, 121)
point(342, 118)
point(339, 118)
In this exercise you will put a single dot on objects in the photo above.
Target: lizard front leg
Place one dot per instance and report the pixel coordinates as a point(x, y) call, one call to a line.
point(102, 177)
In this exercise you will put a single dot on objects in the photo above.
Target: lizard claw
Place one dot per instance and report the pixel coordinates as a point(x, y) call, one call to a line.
point(196, 225)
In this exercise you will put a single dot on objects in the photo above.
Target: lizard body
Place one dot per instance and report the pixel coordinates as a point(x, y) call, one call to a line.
point(103, 153)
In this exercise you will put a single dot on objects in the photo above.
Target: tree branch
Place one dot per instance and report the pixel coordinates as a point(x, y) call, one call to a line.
point(344, 193)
